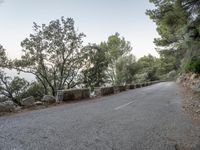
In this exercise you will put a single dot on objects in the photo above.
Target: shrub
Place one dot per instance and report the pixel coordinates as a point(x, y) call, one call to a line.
point(193, 65)
point(35, 89)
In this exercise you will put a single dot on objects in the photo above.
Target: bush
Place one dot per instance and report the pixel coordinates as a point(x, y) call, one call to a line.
point(172, 74)
point(193, 65)
point(35, 89)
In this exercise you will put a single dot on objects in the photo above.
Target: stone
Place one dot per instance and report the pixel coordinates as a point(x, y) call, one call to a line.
point(178, 80)
point(7, 106)
point(59, 96)
point(132, 86)
point(73, 94)
point(48, 99)
point(97, 91)
point(138, 85)
point(193, 76)
point(197, 111)
point(29, 101)
point(196, 87)
point(107, 90)
point(121, 88)
point(128, 86)
point(38, 103)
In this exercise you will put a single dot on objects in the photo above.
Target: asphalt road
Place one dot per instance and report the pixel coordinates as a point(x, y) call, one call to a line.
point(149, 118)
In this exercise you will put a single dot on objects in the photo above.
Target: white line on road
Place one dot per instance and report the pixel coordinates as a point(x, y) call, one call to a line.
point(124, 105)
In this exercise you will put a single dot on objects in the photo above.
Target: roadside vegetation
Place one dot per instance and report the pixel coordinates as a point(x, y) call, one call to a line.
point(178, 24)
point(54, 53)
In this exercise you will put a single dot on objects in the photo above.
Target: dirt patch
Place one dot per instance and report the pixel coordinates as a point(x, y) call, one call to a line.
point(179, 147)
point(191, 103)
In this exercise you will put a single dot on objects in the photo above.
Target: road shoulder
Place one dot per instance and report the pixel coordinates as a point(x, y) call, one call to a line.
point(191, 104)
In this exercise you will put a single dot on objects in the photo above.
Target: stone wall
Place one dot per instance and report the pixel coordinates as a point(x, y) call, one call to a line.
point(107, 90)
point(73, 94)
point(121, 88)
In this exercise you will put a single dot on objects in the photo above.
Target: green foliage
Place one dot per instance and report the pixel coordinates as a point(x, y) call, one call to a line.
point(148, 68)
point(115, 47)
point(178, 24)
point(96, 64)
point(4, 62)
point(12, 89)
point(126, 69)
point(193, 65)
point(53, 54)
point(168, 61)
point(35, 89)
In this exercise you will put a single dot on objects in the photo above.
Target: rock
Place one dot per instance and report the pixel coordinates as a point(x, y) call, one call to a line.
point(196, 87)
point(38, 103)
point(73, 94)
point(29, 101)
point(128, 86)
point(138, 85)
point(193, 76)
point(132, 86)
point(121, 88)
point(97, 91)
point(18, 108)
point(178, 80)
point(59, 96)
point(197, 111)
point(107, 90)
point(48, 99)
point(7, 106)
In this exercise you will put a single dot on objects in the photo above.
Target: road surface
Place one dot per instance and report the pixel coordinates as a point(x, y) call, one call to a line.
point(149, 118)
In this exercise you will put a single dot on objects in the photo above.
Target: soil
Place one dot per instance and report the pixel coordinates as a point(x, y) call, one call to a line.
point(191, 103)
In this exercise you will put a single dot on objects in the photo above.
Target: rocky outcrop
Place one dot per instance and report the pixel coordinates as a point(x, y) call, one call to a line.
point(27, 102)
point(7, 106)
point(48, 99)
point(190, 80)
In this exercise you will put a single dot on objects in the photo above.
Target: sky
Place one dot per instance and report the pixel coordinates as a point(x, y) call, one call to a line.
point(98, 19)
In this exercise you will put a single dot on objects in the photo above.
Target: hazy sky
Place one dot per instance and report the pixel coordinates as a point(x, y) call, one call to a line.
point(96, 18)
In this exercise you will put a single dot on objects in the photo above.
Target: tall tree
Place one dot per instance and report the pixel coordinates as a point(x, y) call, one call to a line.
point(12, 88)
point(178, 26)
point(126, 68)
point(115, 47)
point(95, 66)
point(53, 54)
point(148, 67)
point(4, 62)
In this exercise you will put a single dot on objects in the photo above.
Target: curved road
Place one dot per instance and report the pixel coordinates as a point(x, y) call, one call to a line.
point(148, 118)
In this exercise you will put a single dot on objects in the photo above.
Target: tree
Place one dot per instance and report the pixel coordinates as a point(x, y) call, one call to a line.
point(53, 54)
point(148, 68)
point(95, 66)
point(126, 68)
point(12, 88)
point(3, 58)
point(178, 24)
point(34, 89)
point(115, 47)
